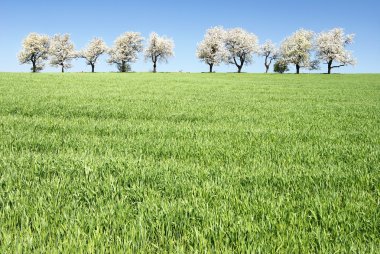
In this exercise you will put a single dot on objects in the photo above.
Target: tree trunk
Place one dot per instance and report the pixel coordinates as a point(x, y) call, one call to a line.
point(211, 65)
point(329, 67)
point(92, 67)
point(123, 68)
point(266, 68)
point(239, 66)
point(63, 69)
point(34, 67)
point(298, 69)
point(154, 67)
point(242, 60)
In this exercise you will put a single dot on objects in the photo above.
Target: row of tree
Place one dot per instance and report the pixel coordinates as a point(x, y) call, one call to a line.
point(37, 48)
point(303, 49)
point(237, 46)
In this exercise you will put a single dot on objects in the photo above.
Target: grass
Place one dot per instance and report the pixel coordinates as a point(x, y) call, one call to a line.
point(189, 163)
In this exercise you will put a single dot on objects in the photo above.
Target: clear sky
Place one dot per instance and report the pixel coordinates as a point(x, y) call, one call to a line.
point(186, 22)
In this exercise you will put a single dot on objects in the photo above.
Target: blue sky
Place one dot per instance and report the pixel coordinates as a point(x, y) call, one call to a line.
point(186, 22)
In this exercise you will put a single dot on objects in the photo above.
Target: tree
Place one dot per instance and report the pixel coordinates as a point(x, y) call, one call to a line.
point(125, 50)
point(212, 50)
point(330, 48)
point(241, 45)
point(93, 50)
point(270, 52)
point(280, 66)
point(35, 49)
point(296, 49)
point(62, 51)
point(159, 49)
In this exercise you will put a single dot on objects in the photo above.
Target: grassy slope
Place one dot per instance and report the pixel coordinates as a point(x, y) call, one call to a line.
point(189, 162)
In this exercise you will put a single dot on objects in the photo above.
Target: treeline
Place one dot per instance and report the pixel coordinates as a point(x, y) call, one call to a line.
point(237, 46)
point(37, 48)
point(303, 49)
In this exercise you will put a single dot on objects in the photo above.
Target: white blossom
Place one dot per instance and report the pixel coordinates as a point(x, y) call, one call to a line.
point(93, 50)
point(330, 48)
point(296, 49)
point(241, 46)
point(212, 49)
point(159, 49)
point(125, 50)
point(270, 52)
point(35, 49)
point(62, 51)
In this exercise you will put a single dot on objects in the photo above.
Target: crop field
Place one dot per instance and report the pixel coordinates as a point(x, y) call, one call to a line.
point(189, 163)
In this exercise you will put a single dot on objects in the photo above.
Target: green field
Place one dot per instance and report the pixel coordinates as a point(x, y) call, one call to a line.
point(189, 163)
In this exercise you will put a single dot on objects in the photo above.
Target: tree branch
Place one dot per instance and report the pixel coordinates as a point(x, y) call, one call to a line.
point(337, 66)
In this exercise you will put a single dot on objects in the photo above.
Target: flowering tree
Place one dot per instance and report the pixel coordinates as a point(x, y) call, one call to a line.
point(125, 50)
point(35, 49)
point(62, 51)
point(93, 50)
point(270, 52)
point(241, 45)
point(212, 50)
point(330, 48)
point(159, 49)
point(296, 49)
